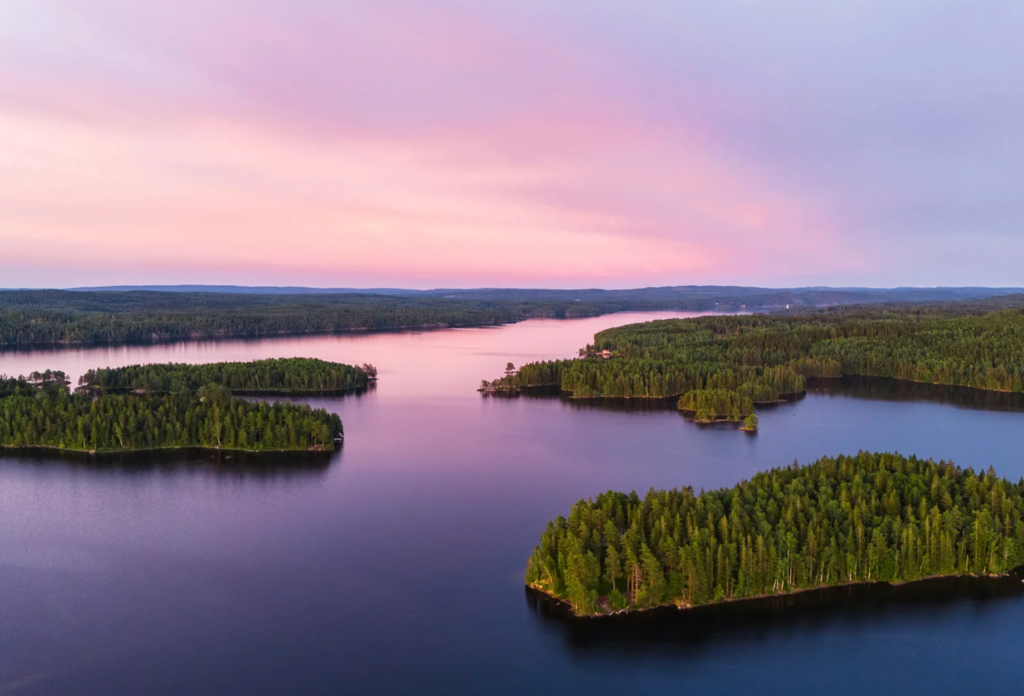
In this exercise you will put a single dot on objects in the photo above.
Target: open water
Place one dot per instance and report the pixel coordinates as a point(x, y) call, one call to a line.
point(395, 567)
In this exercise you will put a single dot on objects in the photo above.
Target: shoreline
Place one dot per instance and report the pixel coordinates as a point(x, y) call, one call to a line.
point(92, 390)
point(564, 603)
point(142, 450)
point(207, 338)
point(783, 398)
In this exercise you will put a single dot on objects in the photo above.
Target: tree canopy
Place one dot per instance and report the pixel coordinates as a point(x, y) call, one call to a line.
point(716, 404)
point(766, 357)
point(292, 375)
point(34, 317)
point(34, 415)
point(865, 518)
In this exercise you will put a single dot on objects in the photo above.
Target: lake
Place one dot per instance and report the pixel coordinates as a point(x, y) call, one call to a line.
point(396, 566)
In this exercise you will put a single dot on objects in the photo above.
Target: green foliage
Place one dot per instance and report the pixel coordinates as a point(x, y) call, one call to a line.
point(546, 373)
point(871, 517)
point(35, 416)
point(284, 375)
point(716, 404)
point(50, 381)
point(750, 422)
point(765, 357)
point(30, 317)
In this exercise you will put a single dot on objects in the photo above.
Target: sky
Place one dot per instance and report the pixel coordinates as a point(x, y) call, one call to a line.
point(540, 143)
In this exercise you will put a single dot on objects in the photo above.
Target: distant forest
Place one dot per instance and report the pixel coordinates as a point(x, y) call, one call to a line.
point(38, 411)
point(40, 317)
point(57, 317)
point(762, 358)
point(867, 518)
point(287, 375)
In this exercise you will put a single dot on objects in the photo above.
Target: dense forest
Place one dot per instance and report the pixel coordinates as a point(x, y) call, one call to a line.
point(45, 414)
point(766, 357)
point(61, 317)
point(40, 317)
point(290, 375)
point(866, 518)
point(716, 404)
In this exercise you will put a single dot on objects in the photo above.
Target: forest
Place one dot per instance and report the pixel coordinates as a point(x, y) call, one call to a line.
point(285, 375)
point(60, 317)
point(767, 357)
point(708, 405)
point(850, 519)
point(42, 413)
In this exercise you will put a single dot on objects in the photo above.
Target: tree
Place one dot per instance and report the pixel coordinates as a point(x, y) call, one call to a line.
point(211, 417)
point(890, 518)
point(750, 422)
point(723, 364)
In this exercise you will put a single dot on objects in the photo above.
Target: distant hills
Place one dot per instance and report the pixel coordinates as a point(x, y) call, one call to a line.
point(252, 290)
point(684, 295)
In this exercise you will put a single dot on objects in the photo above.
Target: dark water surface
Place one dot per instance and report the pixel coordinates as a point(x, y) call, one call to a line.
point(395, 567)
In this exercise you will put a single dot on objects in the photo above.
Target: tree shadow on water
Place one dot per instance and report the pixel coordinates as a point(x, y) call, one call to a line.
point(222, 464)
point(678, 633)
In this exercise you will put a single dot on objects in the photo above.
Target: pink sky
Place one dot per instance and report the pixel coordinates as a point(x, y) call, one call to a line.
point(503, 144)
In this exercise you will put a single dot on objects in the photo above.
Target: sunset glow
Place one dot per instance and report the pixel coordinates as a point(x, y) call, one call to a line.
point(501, 144)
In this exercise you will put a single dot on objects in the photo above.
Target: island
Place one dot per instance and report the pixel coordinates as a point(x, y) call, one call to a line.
point(39, 412)
point(869, 518)
point(711, 405)
point(720, 367)
point(280, 375)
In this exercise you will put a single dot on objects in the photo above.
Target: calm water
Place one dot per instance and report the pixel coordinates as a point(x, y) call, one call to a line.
point(396, 567)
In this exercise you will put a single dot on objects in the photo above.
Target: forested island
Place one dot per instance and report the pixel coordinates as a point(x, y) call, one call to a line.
point(721, 366)
point(40, 412)
point(860, 519)
point(276, 375)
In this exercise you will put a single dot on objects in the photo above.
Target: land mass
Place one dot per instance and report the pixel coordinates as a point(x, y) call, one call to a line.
point(161, 313)
point(39, 412)
point(275, 375)
point(720, 367)
point(848, 520)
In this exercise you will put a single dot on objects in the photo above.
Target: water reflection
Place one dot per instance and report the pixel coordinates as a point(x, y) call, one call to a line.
point(885, 389)
point(399, 570)
point(873, 388)
point(237, 465)
point(683, 632)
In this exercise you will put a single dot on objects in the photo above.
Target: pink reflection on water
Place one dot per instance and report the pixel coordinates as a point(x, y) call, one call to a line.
point(412, 365)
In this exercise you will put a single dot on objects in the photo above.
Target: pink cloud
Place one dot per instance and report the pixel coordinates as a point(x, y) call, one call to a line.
point(292, 141)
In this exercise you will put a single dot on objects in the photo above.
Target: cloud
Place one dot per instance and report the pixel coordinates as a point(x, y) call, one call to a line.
point(510, 143)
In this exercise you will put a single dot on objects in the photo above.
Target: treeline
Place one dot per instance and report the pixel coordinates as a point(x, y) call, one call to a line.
point(34, 415)
point(38, 317)
point(867, 518)
point(48, 382)
point(291, 375)
point(766, 357)
point(54, 317)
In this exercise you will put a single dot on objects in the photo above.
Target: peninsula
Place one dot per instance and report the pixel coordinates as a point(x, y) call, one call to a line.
point(847, 520)
point(720, 367)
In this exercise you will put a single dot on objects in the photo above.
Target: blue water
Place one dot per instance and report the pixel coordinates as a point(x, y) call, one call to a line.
point(396, 567)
